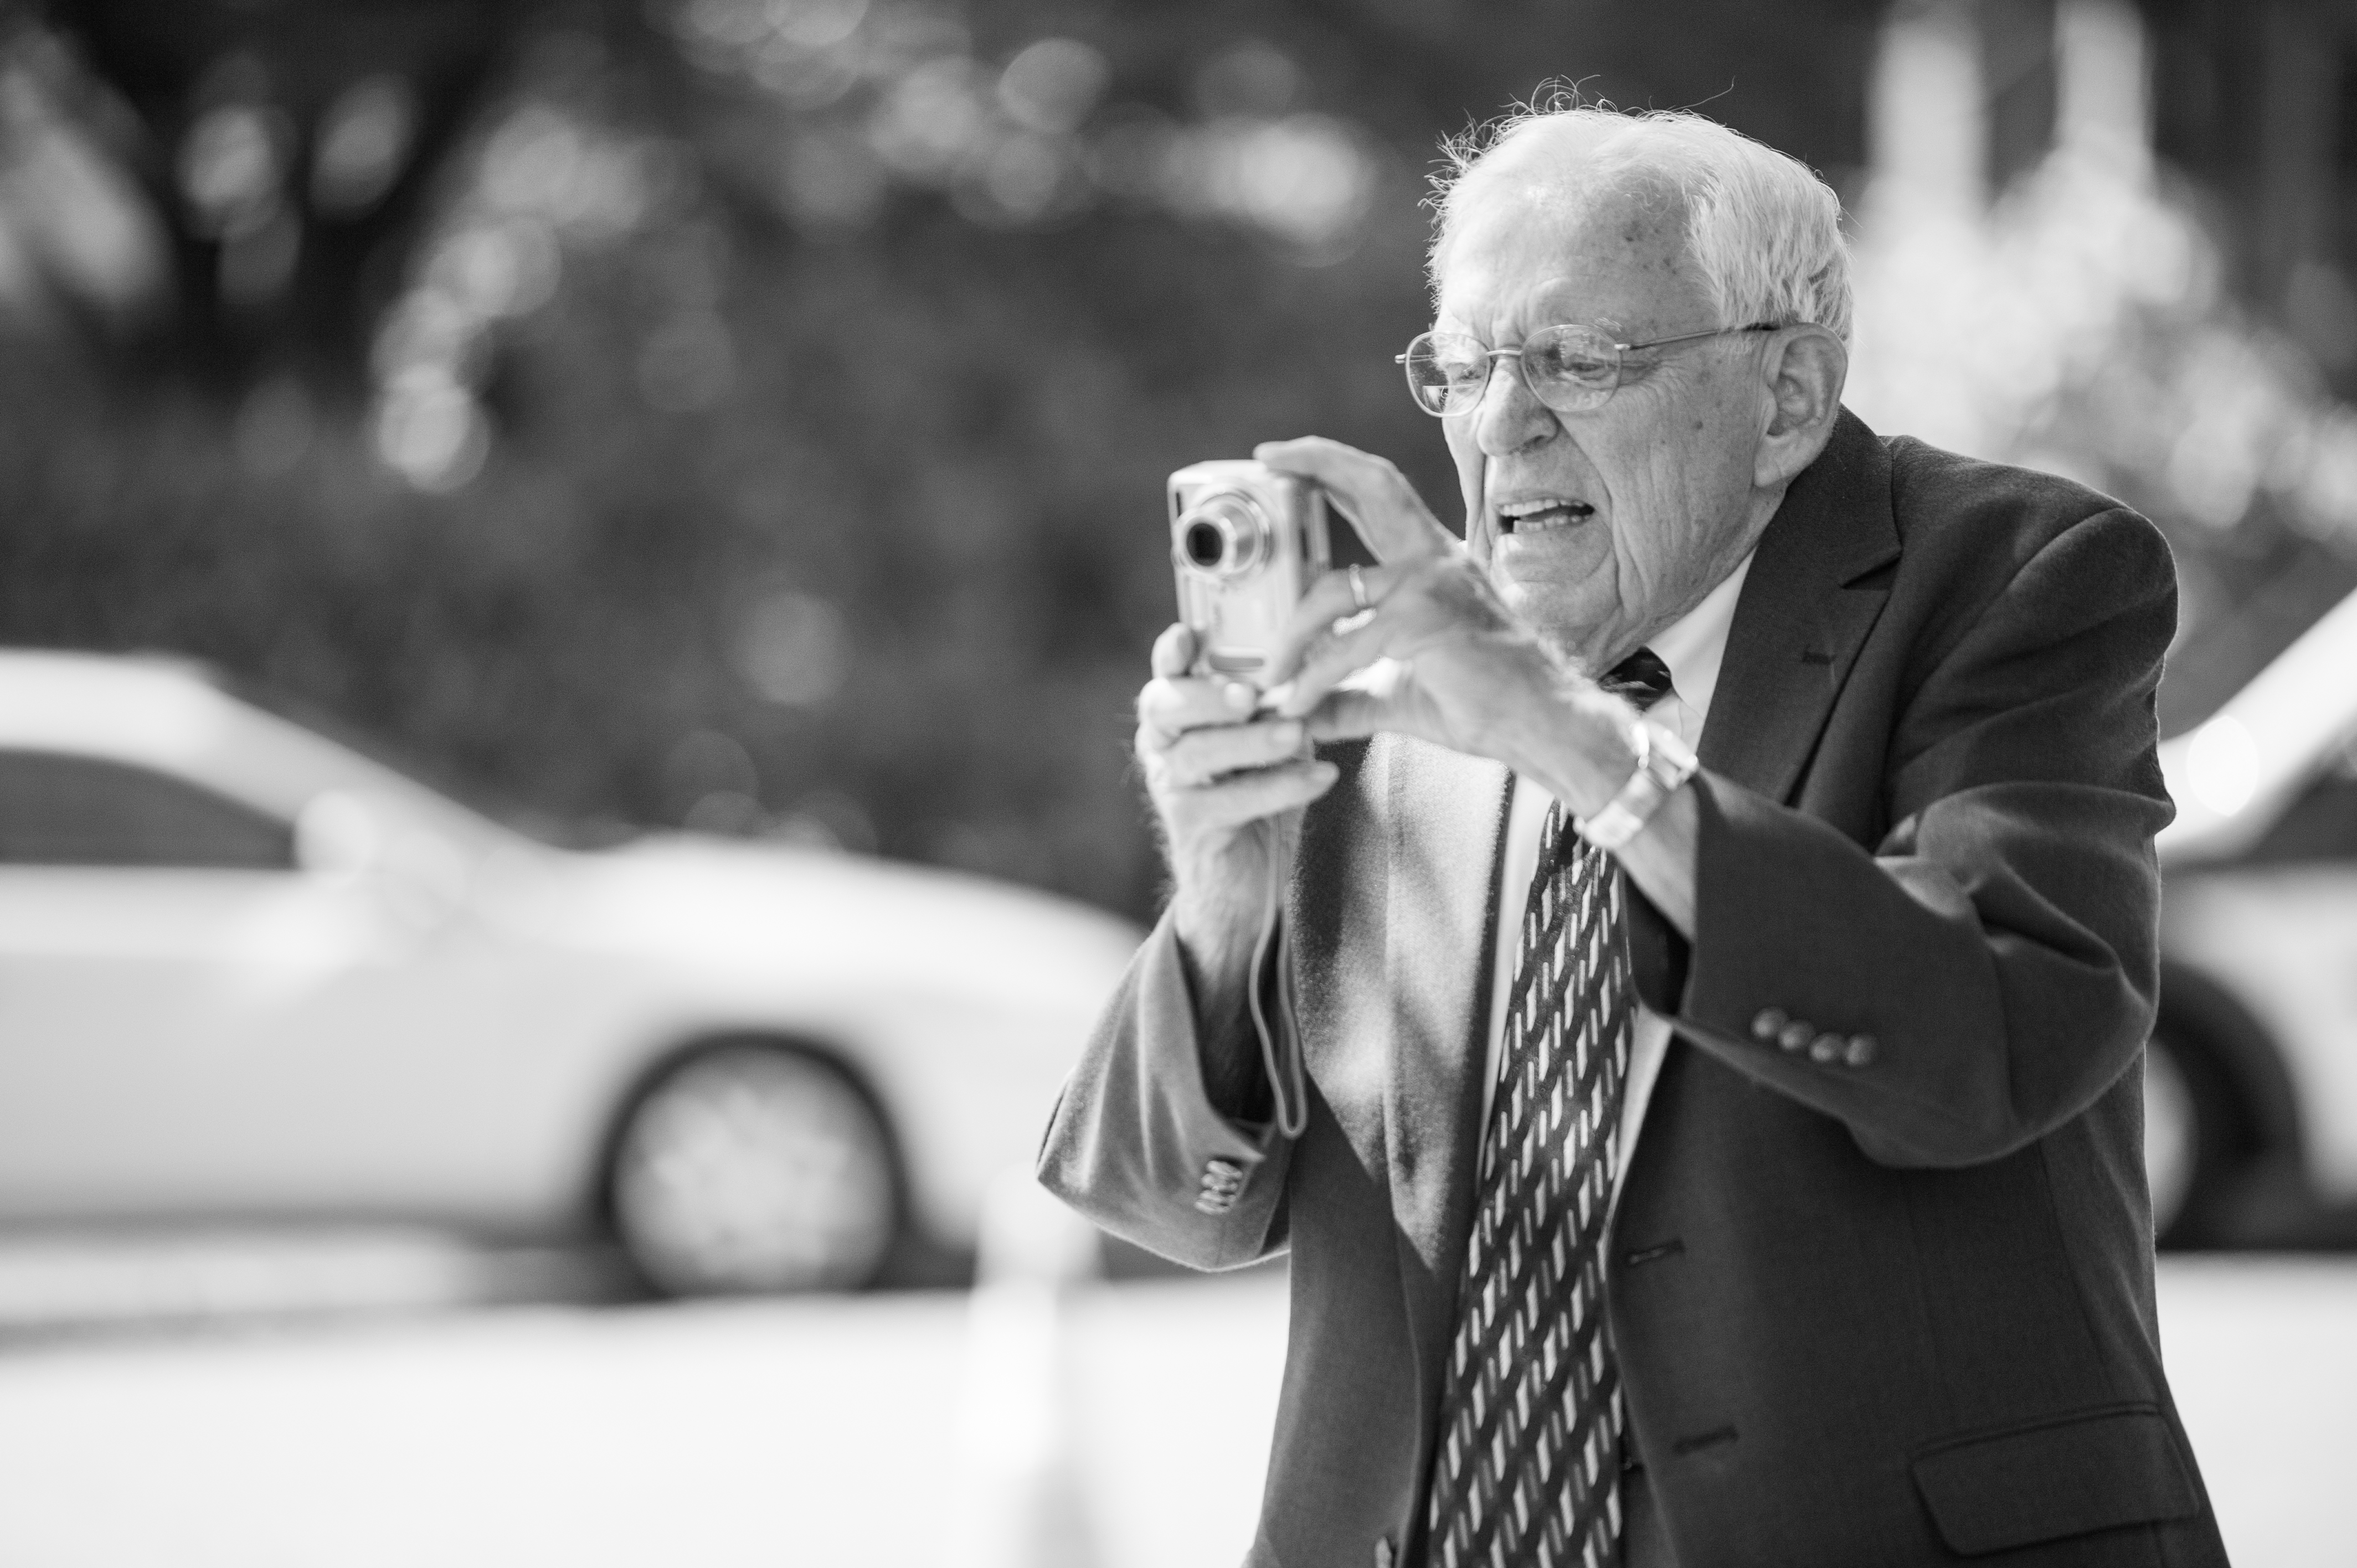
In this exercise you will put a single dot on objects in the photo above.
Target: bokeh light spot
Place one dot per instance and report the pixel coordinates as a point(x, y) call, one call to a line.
point(364, 142)
point(1253, 79)
point(794, 649)
point(2221, 765)
point(231, 164)
point(1051, 86)
point(430, 431)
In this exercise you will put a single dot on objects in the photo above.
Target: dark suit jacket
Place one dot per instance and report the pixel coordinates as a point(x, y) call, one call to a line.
point(1866, 1314)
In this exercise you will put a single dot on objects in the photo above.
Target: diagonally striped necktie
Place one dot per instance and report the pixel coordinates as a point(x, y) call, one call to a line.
point(1528, 1468)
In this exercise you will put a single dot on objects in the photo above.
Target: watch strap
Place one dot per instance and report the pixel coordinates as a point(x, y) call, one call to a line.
point(1663, 764)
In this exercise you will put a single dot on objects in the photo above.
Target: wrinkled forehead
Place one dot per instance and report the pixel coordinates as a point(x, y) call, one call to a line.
point(1531, 246)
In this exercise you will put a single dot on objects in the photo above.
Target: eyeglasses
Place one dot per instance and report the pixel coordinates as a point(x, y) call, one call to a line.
point(1569, 368)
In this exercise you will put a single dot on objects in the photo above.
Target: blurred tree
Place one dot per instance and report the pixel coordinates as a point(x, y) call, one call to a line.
point(747, 414)
point(289, 150)
point(2079, 312)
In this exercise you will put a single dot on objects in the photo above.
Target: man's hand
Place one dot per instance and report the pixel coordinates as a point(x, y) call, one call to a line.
point(1224, 786)
point(1469, 673)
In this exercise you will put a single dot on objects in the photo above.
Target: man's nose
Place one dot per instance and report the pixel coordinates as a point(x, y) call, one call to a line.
point(1510, 417)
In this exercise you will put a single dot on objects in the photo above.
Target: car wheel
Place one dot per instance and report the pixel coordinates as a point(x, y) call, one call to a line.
point(2172, 1133)
point(754, 1168)
point(2202, 1145)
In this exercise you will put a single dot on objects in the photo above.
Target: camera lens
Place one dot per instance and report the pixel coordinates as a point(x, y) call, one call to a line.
point(1223, 535)
point(1205, 544)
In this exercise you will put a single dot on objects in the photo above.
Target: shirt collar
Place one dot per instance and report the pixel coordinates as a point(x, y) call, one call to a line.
point(1696, 643)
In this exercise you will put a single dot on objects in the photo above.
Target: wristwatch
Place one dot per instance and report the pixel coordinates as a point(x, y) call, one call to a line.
point(1662, 764)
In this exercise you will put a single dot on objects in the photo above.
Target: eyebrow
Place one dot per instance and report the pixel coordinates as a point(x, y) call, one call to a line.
point(1607, 325)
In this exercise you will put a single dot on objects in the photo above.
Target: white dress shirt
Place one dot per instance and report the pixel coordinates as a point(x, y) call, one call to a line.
point(1693, 648)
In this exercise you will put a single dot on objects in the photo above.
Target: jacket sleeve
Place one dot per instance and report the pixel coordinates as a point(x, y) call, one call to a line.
point(1984, 971)
point(1136, 1145)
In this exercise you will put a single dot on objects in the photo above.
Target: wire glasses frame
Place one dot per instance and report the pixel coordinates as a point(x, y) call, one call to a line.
point(1570, 368)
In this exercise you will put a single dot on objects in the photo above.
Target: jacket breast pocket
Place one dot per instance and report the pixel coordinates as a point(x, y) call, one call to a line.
point(2059, 1477)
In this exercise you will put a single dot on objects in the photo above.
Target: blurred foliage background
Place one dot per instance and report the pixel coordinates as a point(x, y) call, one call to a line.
point(751, 415)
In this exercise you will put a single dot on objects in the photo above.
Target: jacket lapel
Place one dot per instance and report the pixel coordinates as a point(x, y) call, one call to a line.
point(1797, 629)
point(1803, 615)
point(1445, 824)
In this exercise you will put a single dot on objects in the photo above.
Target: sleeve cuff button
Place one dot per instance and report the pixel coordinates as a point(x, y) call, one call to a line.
point(1768, 1023)
point(1860, 1051)
point(1796, 1035)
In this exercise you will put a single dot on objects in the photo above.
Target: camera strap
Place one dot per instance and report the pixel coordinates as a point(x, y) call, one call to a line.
point(1274, 1019)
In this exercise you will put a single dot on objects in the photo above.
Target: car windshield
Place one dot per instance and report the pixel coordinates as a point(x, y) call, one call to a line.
point(2216, 656)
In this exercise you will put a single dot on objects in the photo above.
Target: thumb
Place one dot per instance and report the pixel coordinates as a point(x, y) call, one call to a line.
point(1173, 651)
point(1350, 714)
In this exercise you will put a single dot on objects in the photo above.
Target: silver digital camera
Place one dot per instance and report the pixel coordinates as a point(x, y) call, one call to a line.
point(1246, 543)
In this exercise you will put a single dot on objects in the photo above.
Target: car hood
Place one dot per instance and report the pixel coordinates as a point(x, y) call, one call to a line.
point(710, 903)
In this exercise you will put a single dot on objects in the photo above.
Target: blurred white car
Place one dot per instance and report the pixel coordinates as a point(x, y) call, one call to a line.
point(2251, 1086)
point(247, 972)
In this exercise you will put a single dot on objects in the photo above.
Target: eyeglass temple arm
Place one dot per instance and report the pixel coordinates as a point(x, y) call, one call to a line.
point(1690, 337)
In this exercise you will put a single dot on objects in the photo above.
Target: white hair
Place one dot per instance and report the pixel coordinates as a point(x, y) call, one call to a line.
point(1762, 231)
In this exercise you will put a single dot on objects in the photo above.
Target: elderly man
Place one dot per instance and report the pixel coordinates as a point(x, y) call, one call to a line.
point(1724, 972)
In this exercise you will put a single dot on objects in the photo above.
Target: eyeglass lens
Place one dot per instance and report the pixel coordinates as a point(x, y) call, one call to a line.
point(1568, 368)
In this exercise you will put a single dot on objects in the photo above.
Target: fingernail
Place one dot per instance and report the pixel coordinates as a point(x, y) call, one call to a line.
point(1326, 773)
point(1277, 696)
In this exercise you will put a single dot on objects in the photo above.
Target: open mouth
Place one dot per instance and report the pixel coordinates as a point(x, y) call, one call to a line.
point(1541, 515)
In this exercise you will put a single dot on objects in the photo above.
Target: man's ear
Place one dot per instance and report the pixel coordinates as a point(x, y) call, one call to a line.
point(1804, 369)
